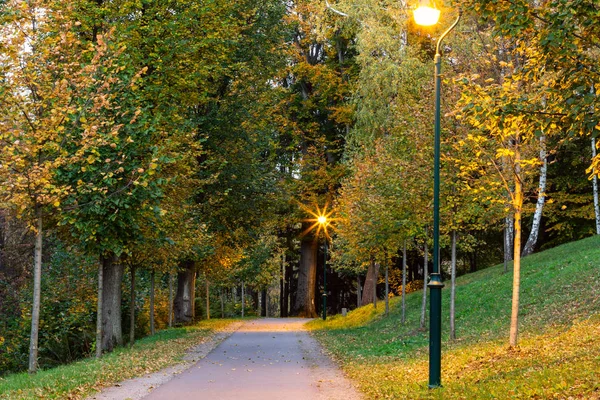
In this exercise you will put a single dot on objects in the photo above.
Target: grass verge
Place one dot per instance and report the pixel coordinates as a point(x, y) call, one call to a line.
point(77, 380)
point(559, 349)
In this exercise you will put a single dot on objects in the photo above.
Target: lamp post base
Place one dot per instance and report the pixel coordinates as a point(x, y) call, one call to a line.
point(435, 331)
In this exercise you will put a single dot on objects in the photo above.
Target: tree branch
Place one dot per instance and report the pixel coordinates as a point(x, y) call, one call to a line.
point(334, 10)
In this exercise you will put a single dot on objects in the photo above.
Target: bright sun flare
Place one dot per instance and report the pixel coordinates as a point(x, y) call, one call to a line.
point(322, 221)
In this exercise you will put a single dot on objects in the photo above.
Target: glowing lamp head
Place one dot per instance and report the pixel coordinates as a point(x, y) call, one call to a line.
point(426, 14)
point(322, 219)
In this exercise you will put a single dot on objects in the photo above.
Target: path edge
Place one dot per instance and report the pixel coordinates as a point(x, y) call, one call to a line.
point(140, 387)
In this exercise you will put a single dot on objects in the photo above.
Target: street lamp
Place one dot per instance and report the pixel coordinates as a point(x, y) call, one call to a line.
point(322, 220)
point(427, 15)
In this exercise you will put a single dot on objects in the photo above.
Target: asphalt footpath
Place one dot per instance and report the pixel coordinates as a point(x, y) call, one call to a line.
point(265, 359)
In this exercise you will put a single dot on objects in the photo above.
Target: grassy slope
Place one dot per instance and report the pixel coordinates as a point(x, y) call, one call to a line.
point(81, 378)
point(559, 349)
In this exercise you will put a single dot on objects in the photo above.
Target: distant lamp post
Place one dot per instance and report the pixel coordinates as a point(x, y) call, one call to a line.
point(426, 14)
point(322, 220)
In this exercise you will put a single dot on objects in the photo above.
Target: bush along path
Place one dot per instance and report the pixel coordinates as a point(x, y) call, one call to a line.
point(558, 355)
point(178, 347)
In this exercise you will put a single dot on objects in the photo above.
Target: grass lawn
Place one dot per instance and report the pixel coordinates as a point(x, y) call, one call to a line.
point(559, 347)
point(77, 380)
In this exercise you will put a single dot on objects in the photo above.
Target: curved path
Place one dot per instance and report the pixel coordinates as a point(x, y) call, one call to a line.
point(265, 359)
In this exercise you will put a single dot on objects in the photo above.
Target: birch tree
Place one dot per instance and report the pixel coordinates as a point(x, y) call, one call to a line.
point(539, 206)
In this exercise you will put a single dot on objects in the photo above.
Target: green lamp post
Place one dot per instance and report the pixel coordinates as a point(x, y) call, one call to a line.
point(426, 15)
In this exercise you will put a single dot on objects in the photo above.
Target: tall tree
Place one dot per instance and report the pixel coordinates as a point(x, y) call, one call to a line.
point(313, 119)
point(45, 69)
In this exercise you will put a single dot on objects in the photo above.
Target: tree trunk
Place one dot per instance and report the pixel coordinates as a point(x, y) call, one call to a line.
point(207, 284)
point(387, 287)
point(99, 308)
point(453, 287)
point(243, 299)
point(375, 279)
point(132, 307)
point(267, 303)
point(3, 230)
point(184, 297)
point(358, 292)
point(537, 216)
point(518, 205)
point(307, 279)
point(293, 290)
point(282, 311)
point(255, 300)
point(509, 234)
point(404, 282)
point(152, 327)
point(505, 237)
point(170, 300)
point(263, 303)
point(368, 293)
point(595, 188)
point(222, 303)
point(425, 276)
point(193, 295)
point(37, 293)
point(112, 333)
point(289, 275)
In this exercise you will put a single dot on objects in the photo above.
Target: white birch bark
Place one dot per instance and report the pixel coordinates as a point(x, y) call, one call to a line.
point(595, 187)
point(509, 227)
point(539, 207)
